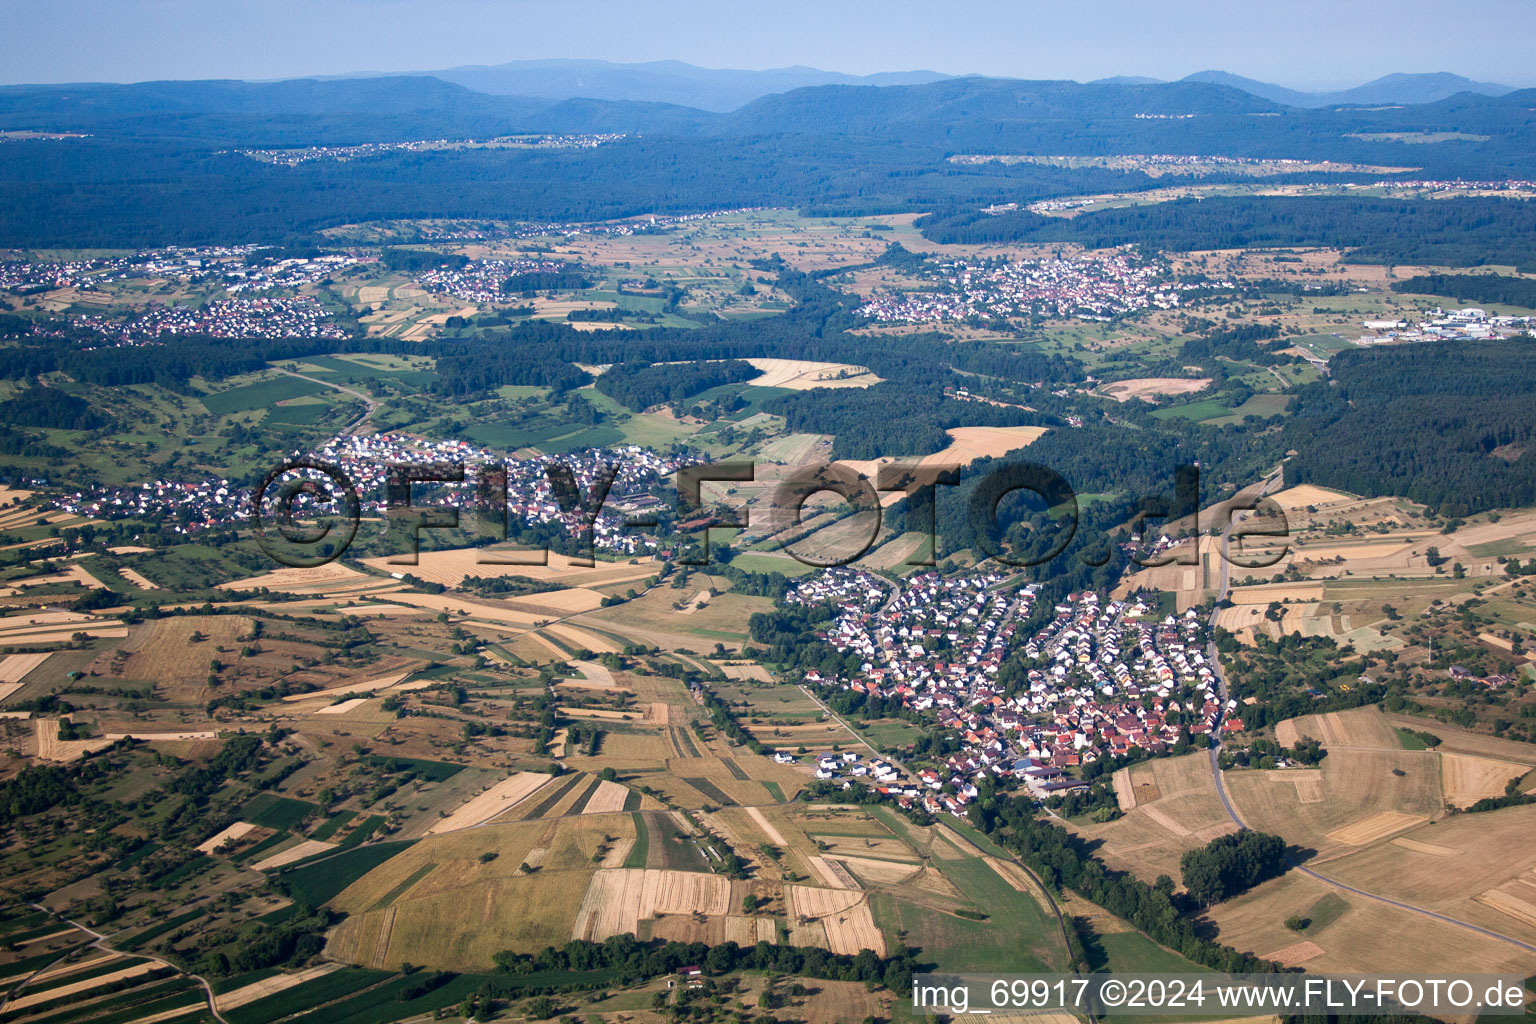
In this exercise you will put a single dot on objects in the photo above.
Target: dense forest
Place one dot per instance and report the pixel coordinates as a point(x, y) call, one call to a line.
point(643, 385)
point(1509, 291)
point(888, 419)
point(826, 150)
point(1461, 232)
point(1451, 424)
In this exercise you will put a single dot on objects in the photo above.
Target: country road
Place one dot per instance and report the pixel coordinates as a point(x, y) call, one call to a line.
point(101, 943)
point(370, 404)
point(1221, 787)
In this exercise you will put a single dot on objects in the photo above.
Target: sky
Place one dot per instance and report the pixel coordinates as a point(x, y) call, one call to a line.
point(1303, 44)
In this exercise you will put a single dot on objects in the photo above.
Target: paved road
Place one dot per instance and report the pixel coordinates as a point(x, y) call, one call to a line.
point(368, 401)
point(101, 943)
point(1226, 801)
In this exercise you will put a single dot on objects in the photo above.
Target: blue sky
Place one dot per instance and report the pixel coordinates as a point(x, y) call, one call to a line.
point(1299, 43)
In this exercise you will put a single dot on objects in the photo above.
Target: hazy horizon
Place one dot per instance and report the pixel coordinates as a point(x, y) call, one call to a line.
point(1310, 45)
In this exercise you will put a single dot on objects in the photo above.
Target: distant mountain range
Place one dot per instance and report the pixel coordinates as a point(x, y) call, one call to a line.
point(722, 89)
point(663, 81)
point(961, 114)
point(1391, 89)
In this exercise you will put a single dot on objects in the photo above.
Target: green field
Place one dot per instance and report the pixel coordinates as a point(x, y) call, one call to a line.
point(313, 993)
point(638, 852)
point(1208, 409)
point(279, 812)
point(1262, 406)
point(751, 562)
point(317, 882)
point(260, 395)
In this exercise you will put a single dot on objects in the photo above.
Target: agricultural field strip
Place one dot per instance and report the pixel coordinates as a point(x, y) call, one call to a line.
point(271, 986)
point(503, 796)
point(1231, 810)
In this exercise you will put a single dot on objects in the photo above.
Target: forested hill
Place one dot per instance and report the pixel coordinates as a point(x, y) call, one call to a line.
point(990, 104)
point(826, 150)
point(302, 112)
point(1462, 232)
point(1451, 424)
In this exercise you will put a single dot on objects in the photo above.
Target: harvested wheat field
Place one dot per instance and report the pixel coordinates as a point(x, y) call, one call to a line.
point(14, 667)
point(579, 639)
point(73, 574)
point(1450, 866)
point(343, 707)
point(593, 676)
point(271, 986)
point(803, 375)
point(871, 871)
point(1361, 796)
point(1466, 779)
point(503, 796)
point(831, 872)
point(26, 999)
point(618, 899)
point(1377, 826)
point(33, 627)
point(1295, 954)
point(307, 848)
point(1264, 593)
point(774, 835)
point(1365, 935)
point(1515, 899)
point(1304, 495)
point(1425, 848)
point(558, 603)
point(843, 917)
point(366, 686)
point(967, 444)
point(1148, 388)
point(137, 578)
point(606, 799)
point(176, 652)
point(1464, 741)
point(450, 567)
point(1358, 727)
point(233, 832)
point(1152, 836)
point(51, 748)
point(319, 580)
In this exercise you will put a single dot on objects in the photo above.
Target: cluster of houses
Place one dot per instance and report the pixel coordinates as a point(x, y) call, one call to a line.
point(480, 231)
point(190, 507)
point(237, 267)
point(1099, 678)
point(832, 766)
point(480, 281)
point(1459, 185)
point(295, 157)
point(265, 317)
point(1092, 286)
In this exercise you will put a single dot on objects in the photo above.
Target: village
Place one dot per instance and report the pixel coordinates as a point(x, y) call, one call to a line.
point(481, 281)
point(1090, 287)
point(265, 317)
point(366, 461)
point(237, 267)
point(295, 157)
point(1109, 678)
